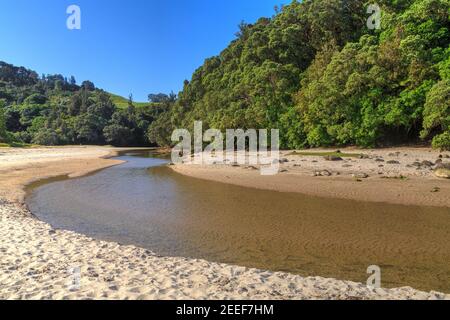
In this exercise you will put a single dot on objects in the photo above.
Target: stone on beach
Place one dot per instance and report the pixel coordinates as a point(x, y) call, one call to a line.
point(333, 158)
point(442, 173)
point(360, 175)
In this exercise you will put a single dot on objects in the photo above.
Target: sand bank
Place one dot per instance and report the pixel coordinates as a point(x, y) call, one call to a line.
point(38, 262)
point(398, 176)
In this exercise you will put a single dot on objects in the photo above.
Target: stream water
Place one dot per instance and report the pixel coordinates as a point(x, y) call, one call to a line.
point(145, 203)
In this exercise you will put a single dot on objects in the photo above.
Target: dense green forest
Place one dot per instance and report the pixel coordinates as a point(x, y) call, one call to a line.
point(317, 72)
point(314, 70)
point(53, 110)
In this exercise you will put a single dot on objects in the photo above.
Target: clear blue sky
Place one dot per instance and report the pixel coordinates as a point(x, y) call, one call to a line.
point(134, 46)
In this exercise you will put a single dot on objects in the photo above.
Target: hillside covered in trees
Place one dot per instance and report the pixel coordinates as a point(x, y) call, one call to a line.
point(53, 110)
point(314, 70)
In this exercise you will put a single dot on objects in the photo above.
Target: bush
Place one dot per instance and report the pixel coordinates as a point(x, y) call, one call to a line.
point(46, 137)
point(442, 142)
point(118, 135)
point(3, 135)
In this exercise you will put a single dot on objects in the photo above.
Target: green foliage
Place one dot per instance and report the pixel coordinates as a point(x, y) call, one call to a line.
point(3, 136)
point(46, 137)
point(51, 110)
point(319, 75)
point(117, 135)
point(442, 141)
point(437, 115)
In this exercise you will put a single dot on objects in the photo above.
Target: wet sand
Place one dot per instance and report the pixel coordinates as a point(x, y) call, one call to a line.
point(36, 259)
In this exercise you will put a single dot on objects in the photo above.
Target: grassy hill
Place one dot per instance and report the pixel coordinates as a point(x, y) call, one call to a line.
point(122, 102)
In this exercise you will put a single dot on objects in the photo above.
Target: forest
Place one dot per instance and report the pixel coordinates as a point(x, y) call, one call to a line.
point(53, 110)
point(314, 70)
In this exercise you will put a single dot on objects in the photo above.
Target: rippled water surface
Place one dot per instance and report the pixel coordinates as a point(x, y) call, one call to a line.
point(144, 203)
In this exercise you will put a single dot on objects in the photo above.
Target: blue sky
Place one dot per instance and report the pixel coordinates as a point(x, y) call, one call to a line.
point(134, 46)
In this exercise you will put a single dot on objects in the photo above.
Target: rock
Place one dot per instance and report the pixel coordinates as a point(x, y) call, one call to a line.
point(441, 156)
point(347, 166)
point(283, 170)
point(443, 166)
point(435, 189)
point(379, 160)
point(396, 154)
point(427, 163)
point(51, 232)
point(417, 164)
point(284, 160)
point(364, 156)
point(360, 175)
point(323, 173)
point(393, 162)
point(447, 156)
point(113, 287)
point(438, 161)
point(333, 158)
point(442, 173)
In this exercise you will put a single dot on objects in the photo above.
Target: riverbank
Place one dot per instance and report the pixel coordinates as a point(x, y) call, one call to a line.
point(38, 262)
point(399, 176)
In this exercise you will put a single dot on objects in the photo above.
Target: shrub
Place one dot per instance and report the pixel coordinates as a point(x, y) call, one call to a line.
point(442, 142)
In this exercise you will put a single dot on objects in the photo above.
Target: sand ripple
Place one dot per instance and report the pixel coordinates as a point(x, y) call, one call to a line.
point(36, 263)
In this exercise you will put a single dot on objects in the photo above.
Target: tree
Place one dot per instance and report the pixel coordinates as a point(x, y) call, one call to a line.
point(158, 97)
point(88, 85)
point(3, 135)
point(118, 135)
point(437, 115)
point(46, 137)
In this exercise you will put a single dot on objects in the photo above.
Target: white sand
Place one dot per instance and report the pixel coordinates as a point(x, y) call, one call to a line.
point(35, 262)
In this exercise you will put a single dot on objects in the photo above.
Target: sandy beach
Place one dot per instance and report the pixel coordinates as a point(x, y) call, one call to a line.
point(399, 176)
point(38, 262)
